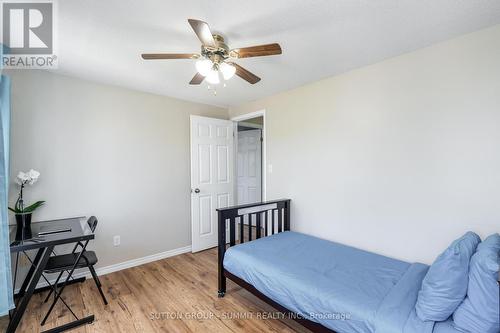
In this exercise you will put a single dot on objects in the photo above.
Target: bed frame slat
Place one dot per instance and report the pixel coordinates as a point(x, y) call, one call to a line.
point(265, 224)
point(232, 232)
point(272, 222)
point(280, 220)
point(286, 219)
point(258, 215)
point(242, 231)
point(250, 222)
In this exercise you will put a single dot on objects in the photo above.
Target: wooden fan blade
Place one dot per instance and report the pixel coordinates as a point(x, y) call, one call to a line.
point(203, 32)
point(197, 79)
point(156, 56)
point(257, 51)
point(245, 74)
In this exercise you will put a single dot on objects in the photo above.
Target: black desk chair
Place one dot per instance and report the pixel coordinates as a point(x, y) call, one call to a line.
point(65, 262)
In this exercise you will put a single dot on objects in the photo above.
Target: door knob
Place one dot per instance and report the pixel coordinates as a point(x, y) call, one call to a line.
point(196, 190)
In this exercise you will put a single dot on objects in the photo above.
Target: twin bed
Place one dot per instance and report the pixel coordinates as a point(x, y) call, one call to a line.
point(326, 286)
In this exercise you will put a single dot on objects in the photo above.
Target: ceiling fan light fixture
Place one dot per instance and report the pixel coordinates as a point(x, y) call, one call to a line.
point(211, 62)
point(204, 66)
point(213, 77)
point(227, 70)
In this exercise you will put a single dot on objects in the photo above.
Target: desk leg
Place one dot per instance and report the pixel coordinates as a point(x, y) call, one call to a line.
point(35, 277)
point(73, 324)
point(22, 291)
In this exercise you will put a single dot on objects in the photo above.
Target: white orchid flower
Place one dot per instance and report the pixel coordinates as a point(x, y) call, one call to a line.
point(29, 177)
point(33, 175)
point(22, 177)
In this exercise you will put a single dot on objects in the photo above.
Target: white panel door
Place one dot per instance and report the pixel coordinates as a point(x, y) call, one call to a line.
point(212, 184)
point(249, 167)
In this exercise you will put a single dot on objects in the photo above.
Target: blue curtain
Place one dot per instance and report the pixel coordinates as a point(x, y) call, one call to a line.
point(6, 301)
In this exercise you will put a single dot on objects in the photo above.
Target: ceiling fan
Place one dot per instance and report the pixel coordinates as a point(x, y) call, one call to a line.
point(216, 58)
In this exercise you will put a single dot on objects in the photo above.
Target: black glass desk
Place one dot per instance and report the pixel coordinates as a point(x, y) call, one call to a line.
point(43, 237)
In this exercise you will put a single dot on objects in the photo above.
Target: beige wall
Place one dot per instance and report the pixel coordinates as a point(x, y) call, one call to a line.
point(400, 157)
point(115, 153)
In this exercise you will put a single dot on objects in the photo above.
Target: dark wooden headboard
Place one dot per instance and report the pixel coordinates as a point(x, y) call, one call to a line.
point(272, 216)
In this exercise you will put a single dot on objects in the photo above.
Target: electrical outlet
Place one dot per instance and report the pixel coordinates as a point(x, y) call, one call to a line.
point(270, 168)
point(116, 240)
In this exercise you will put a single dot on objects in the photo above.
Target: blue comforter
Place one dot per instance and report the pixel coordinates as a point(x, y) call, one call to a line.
point(343, 288)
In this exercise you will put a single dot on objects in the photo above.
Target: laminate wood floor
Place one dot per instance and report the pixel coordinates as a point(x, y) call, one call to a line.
point(177, 294)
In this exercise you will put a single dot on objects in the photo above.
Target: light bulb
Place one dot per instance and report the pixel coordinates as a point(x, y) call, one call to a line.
point(213, 77)
point(204, 66)
point(227, 70)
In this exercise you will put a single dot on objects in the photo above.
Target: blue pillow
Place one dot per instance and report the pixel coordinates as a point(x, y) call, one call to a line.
point(479, 312)
point(445, 285)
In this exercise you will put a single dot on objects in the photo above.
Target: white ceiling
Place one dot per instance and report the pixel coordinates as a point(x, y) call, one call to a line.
point(101, 40)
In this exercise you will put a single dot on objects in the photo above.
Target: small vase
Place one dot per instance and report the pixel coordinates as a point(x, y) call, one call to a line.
point(23, 220)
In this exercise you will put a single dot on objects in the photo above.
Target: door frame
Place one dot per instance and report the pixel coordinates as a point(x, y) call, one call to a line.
point(250, 125)
point(243, 117)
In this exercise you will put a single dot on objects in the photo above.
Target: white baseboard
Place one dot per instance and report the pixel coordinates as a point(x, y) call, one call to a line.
point(141, 261)
point(123, 265)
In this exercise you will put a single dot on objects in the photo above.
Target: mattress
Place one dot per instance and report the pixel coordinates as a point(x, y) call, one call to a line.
point(341, 287)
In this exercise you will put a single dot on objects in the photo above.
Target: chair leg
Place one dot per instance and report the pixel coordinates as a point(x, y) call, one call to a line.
point(55, 287)
point(98, 283)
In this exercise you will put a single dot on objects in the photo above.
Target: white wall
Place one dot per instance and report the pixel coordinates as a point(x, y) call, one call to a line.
point(115, 153)
point(400, 157)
